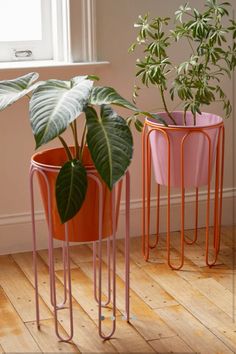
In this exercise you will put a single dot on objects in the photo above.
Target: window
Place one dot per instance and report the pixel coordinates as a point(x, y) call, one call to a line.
point(25, 30)
point(60, 30)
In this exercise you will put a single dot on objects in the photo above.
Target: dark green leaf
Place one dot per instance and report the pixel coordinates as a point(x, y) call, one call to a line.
point(155, 116)
point(71, 187)
point(110, 143)
point(138, 125)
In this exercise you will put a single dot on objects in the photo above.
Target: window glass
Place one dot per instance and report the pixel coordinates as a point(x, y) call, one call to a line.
point(59, 30)
point(20, 20)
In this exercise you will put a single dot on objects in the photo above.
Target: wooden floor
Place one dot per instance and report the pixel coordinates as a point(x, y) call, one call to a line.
point(187, 311)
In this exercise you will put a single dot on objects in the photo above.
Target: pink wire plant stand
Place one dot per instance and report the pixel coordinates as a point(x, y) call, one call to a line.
point(97, 256)
point(149, 129)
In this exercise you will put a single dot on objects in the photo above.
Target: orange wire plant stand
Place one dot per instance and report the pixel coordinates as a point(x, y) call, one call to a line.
point(149, 128)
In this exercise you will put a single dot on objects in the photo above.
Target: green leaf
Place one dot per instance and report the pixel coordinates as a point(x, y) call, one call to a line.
point(56, 104)
point(110, 143)
point(93, 77)
point(138, 125)
point(13, 90)
point(183, 9)
point(155, 116)
point(71, 187)
point(107, 95)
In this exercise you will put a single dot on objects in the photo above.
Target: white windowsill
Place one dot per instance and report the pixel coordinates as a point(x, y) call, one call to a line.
point(48, 64)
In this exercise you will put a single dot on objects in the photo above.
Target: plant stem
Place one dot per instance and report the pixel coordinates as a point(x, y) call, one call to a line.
point(66, 147)
point(76, 140)
point(185, 123)
point(83, 140)
point(165, 106)
point(76, 145)
point(73, 133)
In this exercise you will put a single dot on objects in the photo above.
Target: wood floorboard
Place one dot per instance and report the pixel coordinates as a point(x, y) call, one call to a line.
point(216, 293)
point(14, 336)
point(149, 291)
point(188, 296)
point(171, 345)
point(187, 311)
point(146, 321)
point(20, 291)
point(227, 334)
point(192, 331)
point(83, 325)
point(45, 337)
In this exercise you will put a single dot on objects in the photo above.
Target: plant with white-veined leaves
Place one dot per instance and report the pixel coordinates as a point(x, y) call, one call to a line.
point(56, 105)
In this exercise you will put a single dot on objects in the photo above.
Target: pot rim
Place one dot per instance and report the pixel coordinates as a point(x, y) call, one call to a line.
point(53, 168)
point(151, 123)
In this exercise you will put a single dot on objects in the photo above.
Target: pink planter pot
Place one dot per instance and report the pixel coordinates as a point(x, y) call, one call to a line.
point(195, 146)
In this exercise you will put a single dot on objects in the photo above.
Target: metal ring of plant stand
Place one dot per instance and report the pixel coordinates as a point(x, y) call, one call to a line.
point(146, 152)
point(66, 260)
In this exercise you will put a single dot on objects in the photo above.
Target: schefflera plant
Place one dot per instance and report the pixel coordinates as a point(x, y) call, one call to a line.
point(56, 105)
point(195, 82)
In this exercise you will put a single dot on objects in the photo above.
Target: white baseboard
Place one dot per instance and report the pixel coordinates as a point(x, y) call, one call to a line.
point(15, 229)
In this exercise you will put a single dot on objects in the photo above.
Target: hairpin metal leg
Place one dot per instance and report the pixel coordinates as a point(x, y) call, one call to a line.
point(119, 189)
point(210, 264)
point(53, 286)
point(218, 200)
point(65, 271)
point(111, 259)
point(127, 247)
point(218, 190)
point(146, 185)
point(65, 258)
point(155, 243)
point(196, 222)
point(34, 247)
point(216, 204)
point(104, 304)
point(100, 316)
point(182, 210)
point(222, 131)
point(157, 218)
point(181, 235)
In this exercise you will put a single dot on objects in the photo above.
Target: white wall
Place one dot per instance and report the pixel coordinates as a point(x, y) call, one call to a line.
point(115, 33)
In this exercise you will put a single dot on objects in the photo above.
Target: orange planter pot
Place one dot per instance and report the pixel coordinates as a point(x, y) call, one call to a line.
point(84, 226)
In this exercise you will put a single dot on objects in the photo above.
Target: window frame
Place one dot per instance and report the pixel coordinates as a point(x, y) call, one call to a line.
point(82, 30)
